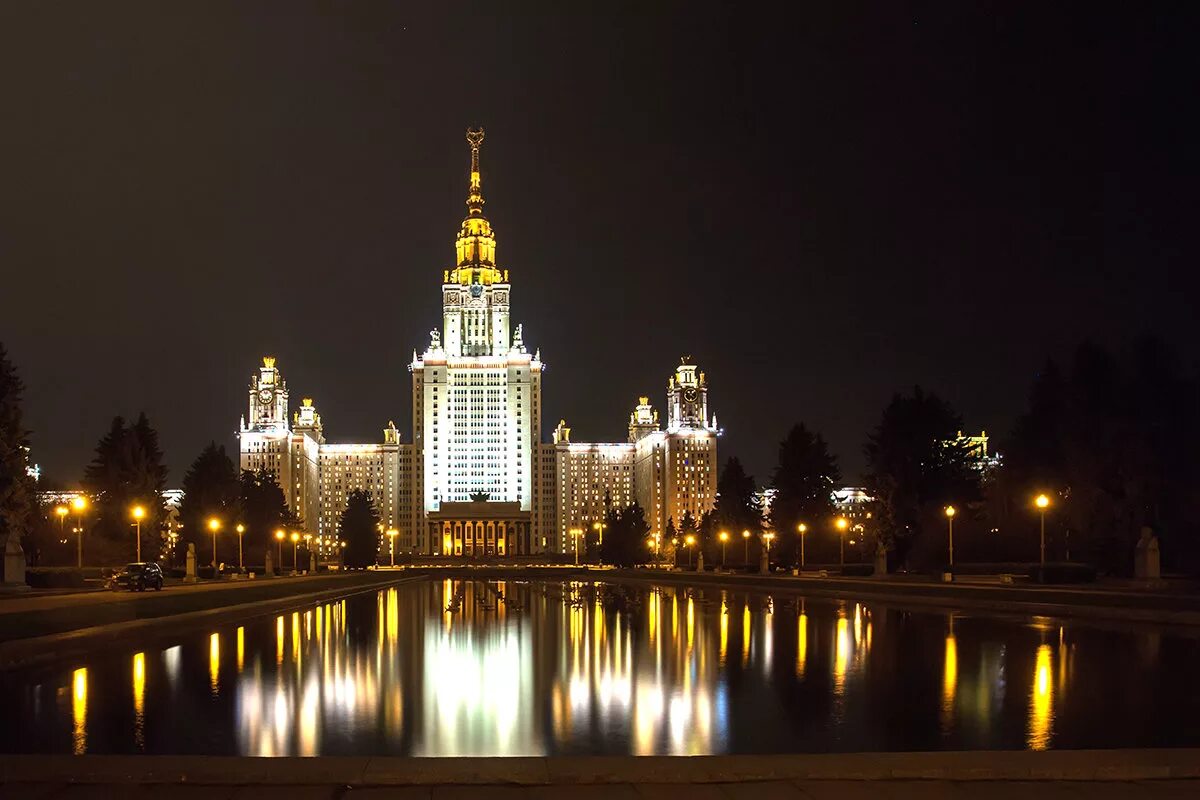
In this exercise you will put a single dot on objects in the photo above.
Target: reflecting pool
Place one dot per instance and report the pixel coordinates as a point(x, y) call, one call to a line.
point(474, 667)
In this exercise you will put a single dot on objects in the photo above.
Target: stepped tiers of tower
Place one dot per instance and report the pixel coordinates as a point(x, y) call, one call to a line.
point(475, 479)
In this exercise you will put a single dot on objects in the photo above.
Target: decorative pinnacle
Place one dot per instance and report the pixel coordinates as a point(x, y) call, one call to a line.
point(475, 198)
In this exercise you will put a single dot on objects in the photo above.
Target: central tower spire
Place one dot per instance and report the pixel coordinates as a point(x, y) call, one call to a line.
point(475, 248)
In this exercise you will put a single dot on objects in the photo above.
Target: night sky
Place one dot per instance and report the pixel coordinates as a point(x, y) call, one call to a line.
point(822, 205)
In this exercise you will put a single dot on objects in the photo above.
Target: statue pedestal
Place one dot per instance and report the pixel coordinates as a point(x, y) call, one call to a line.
point(700, 562)
point(14, 566)
point(190, 577)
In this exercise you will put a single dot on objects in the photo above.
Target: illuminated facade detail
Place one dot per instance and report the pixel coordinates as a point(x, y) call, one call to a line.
point(675, 470)
point(476, 479)
point(476, 390)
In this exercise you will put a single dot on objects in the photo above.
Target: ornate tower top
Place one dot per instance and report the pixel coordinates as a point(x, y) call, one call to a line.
point(475, 249)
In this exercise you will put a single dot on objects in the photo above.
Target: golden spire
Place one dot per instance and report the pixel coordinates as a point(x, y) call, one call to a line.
point(475, 193)
point(475, 248)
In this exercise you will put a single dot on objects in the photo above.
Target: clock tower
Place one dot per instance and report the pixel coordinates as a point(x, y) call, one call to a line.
point(687, 399)
point(268, 398)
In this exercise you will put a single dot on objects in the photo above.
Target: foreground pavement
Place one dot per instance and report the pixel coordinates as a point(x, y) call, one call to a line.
point(1067, 774)
point(765, 790)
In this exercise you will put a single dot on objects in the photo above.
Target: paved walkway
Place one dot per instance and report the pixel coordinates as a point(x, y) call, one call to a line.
point(766, 790)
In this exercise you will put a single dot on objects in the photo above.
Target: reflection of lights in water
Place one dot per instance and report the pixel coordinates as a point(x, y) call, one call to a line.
point(857, 623)
point(308, 735)
point(949, 681)
point(214, 661)
point(319, 630)
point(691, 624)
point(746, 634)
point(79, 698)
point(279, 639)
point(841, 654)
point(393, 617)
point(139, 700)
point(1041, 702)
point(296, 639)
point(647, 716)
point(801, 643)
point(768, 641)
point(171, 658)
point(653, 623)
point(724, 631)
point(241, 648)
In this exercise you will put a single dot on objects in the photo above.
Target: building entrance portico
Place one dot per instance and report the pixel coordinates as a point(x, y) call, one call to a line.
point(480, 529)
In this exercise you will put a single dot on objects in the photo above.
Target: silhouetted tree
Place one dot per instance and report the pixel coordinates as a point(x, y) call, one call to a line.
point(263, 510)
point(358, 529)
point(17, 505)
point(625, 537)
point(917, 464)
point(1113, 443)
point(210, 489)
point(127, 471)
point(804, 480)
point(736, 509)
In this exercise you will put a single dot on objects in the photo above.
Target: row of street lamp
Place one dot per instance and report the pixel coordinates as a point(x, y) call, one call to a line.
point(79, 505)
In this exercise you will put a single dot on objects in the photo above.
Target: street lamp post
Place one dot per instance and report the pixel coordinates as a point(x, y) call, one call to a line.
point(295, 549)
point(79, 504)
point(392, 544)
point(214, 525)
point(240, 530)
point(950, 512)
point(575, 534)
point(802, 529)
point(138, 512)
point(767, 537)
point(724, 537)
point(745, 547)
point(689, 541)
point(279, 536)
point(599, 528)
point(1042, 502)
point(842, 524)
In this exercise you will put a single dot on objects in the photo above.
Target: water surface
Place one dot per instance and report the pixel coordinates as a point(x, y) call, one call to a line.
point(457, 667)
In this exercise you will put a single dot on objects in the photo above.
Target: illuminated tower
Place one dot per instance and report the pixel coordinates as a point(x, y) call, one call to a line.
point(476, 406)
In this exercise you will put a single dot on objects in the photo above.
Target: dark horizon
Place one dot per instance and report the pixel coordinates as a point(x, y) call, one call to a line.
point(821, 208)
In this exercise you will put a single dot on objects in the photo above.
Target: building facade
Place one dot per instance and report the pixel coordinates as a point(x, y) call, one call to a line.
point(476, 479)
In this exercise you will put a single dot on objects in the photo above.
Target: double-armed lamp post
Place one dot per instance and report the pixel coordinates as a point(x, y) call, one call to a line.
point(842, 524)
point(1042, 502)
point(724, 537)
point(279, 537)
point(214, 525)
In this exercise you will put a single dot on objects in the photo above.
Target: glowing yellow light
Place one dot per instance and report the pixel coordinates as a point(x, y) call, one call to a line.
point(723, 536)
point(950, 511)
point(295, 537)
point(841, 654)
point(279, 534)
point(724, 631)
point(745, 634)
point(690, 540)
point(61, 511)
point(240, 528)
point(279, 639)
point(214, 523)
point(79, 698)
point(745, 534)
point(691, 624)
point(842, 523)
point(1042, 501)
point(138, 512)
point(1041, 702)
point(802, 528)
point(241, 648)
point(79, 502)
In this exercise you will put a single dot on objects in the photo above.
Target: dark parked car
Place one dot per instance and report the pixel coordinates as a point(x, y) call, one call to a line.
point(138, 577)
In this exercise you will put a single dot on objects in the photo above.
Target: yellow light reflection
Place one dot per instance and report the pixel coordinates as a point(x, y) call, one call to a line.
point(139, 699)
point(279, 639)
point(393, 614)
point(724, 632)
point(653, 614)
point(214, 661)
point(241, 648)
point(1041, 702)
point(949, 681)
point(691, 624)
point(79, 698)
point(841, 654)
point(801, 644)
point(745, 634)
point(296, 637)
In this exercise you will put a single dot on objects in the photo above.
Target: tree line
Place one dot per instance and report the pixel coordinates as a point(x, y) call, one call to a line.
point(1110, 440)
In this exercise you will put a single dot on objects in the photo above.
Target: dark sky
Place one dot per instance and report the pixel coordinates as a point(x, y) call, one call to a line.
point(822, 204)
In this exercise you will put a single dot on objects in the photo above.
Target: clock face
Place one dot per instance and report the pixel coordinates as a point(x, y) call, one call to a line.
point(264, 396)
point(689, 394)
point(476, 289)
